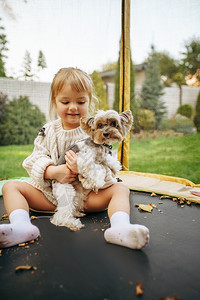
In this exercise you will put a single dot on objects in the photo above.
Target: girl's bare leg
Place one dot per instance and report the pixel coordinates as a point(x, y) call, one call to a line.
point(18, 197)
point(17, 194)
point(116, 199)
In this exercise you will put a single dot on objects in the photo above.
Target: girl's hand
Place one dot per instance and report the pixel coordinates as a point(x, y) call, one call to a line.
point(60, 173)
point(71, 161)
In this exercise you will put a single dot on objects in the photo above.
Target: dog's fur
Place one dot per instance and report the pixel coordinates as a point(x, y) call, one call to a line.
point(97, 168)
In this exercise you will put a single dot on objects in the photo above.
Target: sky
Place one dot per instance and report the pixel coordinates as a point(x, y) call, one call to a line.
point(86, 33)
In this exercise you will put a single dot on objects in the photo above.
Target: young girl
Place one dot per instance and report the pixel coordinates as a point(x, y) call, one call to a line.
point(71, 96)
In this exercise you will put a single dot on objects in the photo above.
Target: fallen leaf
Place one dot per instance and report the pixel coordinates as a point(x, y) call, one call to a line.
point(145, 207)
point(33, 217)
point(139, 290)
point(165, 197)
point(4, 217)
point(22, 244)
point(181, 200)
point(153, 195)
point(172, 298)
point(21, 268)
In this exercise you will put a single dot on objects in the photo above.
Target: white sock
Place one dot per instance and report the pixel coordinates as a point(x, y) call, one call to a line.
point(119, 218)
point(123, 233)
point(20, 229)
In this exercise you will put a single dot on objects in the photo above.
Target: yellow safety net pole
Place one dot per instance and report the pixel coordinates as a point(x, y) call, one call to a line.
point(124, 104)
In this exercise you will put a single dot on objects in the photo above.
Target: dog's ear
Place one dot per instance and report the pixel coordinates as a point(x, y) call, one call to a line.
point(126, 119)
point(87, 124)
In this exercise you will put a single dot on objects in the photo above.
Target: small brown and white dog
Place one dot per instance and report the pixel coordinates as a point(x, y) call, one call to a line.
point(97, 167)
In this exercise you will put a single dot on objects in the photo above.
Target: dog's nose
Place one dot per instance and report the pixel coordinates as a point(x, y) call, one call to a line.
point(106, 134)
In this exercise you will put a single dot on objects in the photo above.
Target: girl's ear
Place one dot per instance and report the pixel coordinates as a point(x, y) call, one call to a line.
point(87, 124)
point(126, 119)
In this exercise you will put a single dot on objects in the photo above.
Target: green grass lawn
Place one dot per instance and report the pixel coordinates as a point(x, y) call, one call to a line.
point(174, 156)
point(11, 158)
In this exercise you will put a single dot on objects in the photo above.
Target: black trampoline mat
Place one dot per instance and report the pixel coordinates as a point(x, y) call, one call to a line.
point(81, 265)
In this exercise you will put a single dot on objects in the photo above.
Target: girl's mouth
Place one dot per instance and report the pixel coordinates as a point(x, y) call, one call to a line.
point(73, 115)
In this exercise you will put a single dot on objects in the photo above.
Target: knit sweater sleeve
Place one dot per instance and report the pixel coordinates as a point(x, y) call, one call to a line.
point(41, 158)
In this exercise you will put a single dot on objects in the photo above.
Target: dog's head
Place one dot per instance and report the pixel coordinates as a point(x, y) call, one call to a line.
point(107, 126)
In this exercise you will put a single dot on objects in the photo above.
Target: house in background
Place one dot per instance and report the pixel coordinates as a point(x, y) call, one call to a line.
point(108, 78)
point(170, 97)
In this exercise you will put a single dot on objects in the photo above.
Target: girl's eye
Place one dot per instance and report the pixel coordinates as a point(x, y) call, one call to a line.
point(65, 102)
point(81, 102)
point(113, 123)
point(100, 125)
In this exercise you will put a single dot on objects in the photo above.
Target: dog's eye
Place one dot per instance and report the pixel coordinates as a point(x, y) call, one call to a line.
point(100, 125)
point(113, 123)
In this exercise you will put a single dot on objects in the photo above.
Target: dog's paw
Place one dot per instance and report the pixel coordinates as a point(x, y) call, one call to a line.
point(79, 214)
point(75, 224)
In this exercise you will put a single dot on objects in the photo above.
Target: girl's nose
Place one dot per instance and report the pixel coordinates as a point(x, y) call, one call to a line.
point(73, 106)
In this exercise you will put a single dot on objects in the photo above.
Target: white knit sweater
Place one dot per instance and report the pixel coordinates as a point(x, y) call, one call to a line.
point(47, 150)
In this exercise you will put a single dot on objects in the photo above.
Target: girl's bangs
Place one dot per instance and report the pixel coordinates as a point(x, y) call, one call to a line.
point(80, 84)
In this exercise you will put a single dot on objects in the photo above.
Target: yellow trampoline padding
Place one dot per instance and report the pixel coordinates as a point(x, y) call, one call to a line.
point(160, 184)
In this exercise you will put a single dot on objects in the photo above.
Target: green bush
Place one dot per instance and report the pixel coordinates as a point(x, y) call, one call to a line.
point(197, 114)
point(146, 119)
point(185, 110)
point(21, 122)
point(3, 99)
point(179, 124)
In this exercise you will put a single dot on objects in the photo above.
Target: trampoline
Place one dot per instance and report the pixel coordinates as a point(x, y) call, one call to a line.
point(81, 265)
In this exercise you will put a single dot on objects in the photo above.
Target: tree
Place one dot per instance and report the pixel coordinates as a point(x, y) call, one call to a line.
point(117, 86)
point(197, 114)
point(3, 99)
point(41, 61)
point(3, 50)
point(109, 66)
point(152, 89)
point(21, 123)
point(27, 69)
point(132, 87)
point(168, 67)
point(171, 71)
point(191, 59)
point(99, 90)
point(179, 79)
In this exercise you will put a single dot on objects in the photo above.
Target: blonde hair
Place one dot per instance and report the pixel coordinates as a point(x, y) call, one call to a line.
point(78, 80)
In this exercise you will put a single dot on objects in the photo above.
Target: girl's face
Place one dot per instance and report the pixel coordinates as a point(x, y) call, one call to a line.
point(71, 106)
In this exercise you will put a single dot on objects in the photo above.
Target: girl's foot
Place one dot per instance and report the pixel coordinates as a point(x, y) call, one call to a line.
point(20, 229)
point(133, 236)
point(123, 233)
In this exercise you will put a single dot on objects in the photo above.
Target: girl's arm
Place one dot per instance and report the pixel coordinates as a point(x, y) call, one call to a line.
point(60, 173)
point(36, 163)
